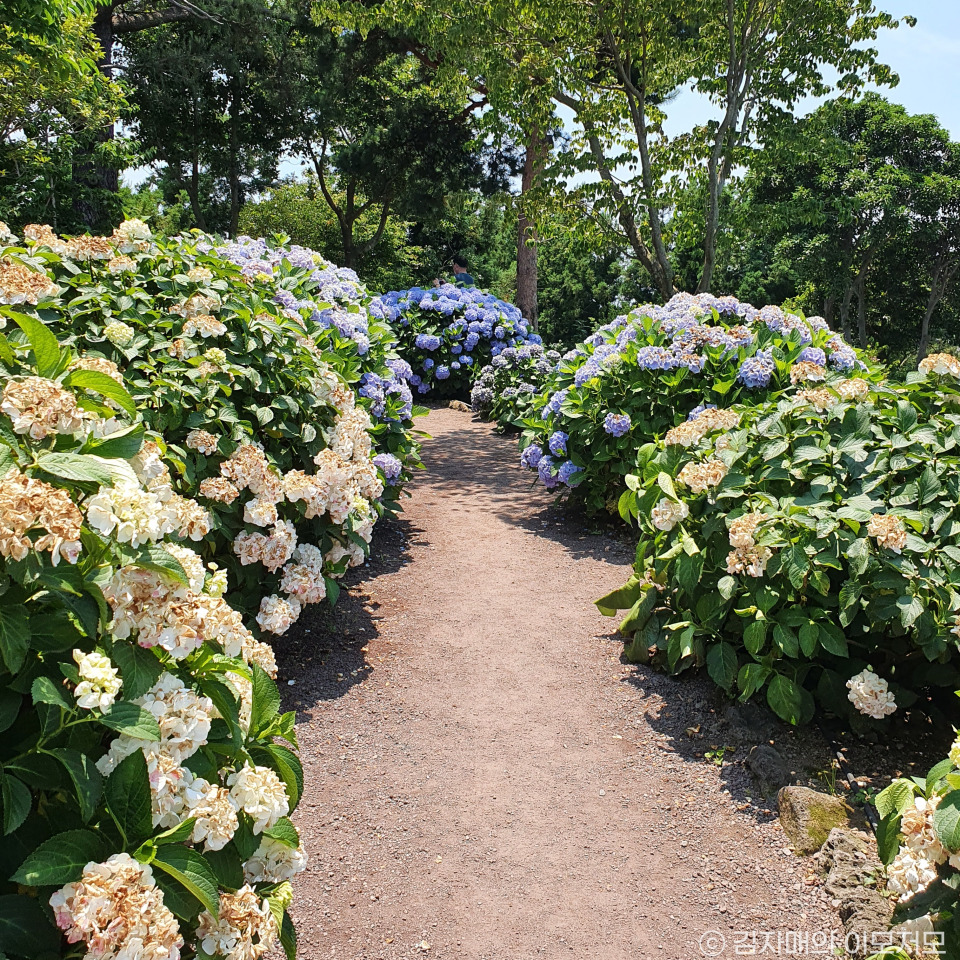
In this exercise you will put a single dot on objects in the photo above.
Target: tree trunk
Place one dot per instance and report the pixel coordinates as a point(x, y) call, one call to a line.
point(862, 311)
point(91, 179)
point(534, 158)
point(845, 312)
point(829, 308)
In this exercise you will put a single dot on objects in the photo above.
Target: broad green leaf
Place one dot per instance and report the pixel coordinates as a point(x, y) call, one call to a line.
point(888, 838)
point(832, 639)
point(128, 795)
point(85, 776)
point(751, 678)
point(16, 802)
point(46, 350)
point(623, 598)
point(25, 929)
point(946, 821)
point(809, 635)
point(14, 636)
point(123, 445)
point(284, 831)
point(722, 664)
point(152, 556)
point(754, 636)
point(75, 466)
point(191, 870)
point(787, 699)
point(9, 708)
point(134, 721)
point(105, 386)
point(139, 668)
point(61, 859)
point(665, 482)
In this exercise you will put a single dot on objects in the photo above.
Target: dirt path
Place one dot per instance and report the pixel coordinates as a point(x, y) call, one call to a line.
point(485, 779)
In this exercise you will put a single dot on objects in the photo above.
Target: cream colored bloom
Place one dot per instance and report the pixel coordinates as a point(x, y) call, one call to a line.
point(27, 504)
point(245, 930)
point(99, 681)
point(132, 236)
point(277, 614)
point(119, 333)
point(820, 400)
point(871, 695)
point(215, 811)
point(888, 530)
point(204, 325)
point(19, 284)
point(216, 488)
point(260, 793)
point(200, 275)
point(691, 432)
point(742, 530)
point(701, 476)
point(853, 389)
point(202, 441)
point(40, 407)
point(749, 560)
point(191, 563)
point(668, 513)
point(941, 364)
point(807, 371)
point(262, 513)
point(117, 910)
point(131, 514)
point(274, 862)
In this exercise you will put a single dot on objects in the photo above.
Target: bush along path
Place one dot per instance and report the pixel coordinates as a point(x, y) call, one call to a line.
point(485, 779)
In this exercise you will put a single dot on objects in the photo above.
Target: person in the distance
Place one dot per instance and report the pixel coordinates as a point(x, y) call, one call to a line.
point(460, 276)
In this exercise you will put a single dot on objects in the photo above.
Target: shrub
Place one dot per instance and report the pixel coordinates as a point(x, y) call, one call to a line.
point(919, 842)
point(449, 333)
point(507, 386)
point(805, 546)
point(145, 793)
point(636, 377)
point(240, 355)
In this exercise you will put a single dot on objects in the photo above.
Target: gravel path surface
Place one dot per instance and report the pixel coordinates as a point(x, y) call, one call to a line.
point(485, 779)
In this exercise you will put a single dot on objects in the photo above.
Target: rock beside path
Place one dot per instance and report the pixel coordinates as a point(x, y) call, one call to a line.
point(808, 816)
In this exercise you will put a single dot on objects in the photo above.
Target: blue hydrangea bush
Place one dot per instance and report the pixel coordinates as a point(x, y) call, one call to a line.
point(635, 378)
point(507, 387)
point(271, 376)
point(448, 334)
point(148, 774)
point(805, 548)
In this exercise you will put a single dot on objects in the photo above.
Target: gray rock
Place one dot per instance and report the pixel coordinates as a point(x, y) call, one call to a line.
point(854, 877)
point(769, 768)
point(808, 816)
point(749, 723)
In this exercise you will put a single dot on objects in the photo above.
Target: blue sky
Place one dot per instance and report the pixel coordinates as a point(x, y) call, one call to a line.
point(927, 58)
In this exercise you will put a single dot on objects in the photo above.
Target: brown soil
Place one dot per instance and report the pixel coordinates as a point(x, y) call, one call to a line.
point(485, 779)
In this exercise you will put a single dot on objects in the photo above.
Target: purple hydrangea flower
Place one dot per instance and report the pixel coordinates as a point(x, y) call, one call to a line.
point(545, 472)
point(443, 372)
point(616, 424)
point(558, 443)
point(389, 465)
point(427, 341)
point(696, 411)
point(812, 355)
point(531, 456)
point(756, 371)
point(568, 470)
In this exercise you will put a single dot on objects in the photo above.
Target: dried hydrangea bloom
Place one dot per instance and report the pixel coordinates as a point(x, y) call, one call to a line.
point(871, 695)
point(41, 235)
point(910, 873)
point(352, 551)
point(98, 365)
point(701, 476)
point(99, 681)
point(277, 614)
point(248, 547)
point(249, 469)
point(274, 862)
point(121, 264)
point(668, 513)
point(191, 563)
point(805, 371)
point(202, 441)
point(750, 560)
point(261, 513)
point(855, 388)
point(941, 364)
point(692, 431)
point(303, 578)
point(246, 928)
point(215, 812)
point(7, 236)
point(39, 407)
point(89, 248)
point(196, 306)
point(742, 530)
point(204, 325)
point(19, 284)
point(200, 275)
point(820, 400)
point(191, 519)
point(260, 793)
point(117, 910)
point(28, 504)
point(216, 488)
point(181, 350)
point(888, 530)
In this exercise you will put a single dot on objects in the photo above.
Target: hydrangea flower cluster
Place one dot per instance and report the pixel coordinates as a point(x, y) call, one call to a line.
point(656, 364)
point(152, 699)
point(255, 359)
point(446, 331)
point(506, 387)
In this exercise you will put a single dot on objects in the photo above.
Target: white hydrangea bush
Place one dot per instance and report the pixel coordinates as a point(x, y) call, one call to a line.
point(147, 773)
point(268, 372)
point(805, 548)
